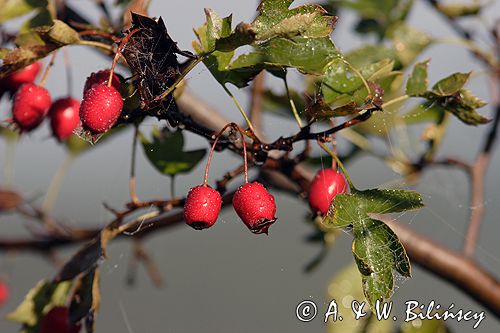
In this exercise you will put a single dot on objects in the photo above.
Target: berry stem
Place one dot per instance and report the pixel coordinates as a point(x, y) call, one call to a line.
point(395, 100)
point(55, 184)
point(118, 53)
point(243, 113)
point(292, 103)
point(209, 160)
point(344, 171)
point(334, 144)
point(69, 73)
point(133, 193)
point(92, 43)
point(47, 69)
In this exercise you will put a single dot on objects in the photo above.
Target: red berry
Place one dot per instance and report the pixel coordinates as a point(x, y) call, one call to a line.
point(57, 320)
point(325, 186)
point(4, 292)
point(31, 105)
point(202, 207)
point(64, 117)
point(100, 108)
point(101, 78)
point(25, 75)
point(255, 206)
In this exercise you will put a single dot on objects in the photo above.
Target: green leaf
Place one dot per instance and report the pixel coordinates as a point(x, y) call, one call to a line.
point(342, 86)
point(425, 112)
point(451, 84)
point(39, 300)
point(417, 82)
point(369, 54)
point(378, 16)
point(166, 153)
point(347, 285)
point(276, 20)
point(376, 248)
point(218, 62)
point(50, 38)
point(454, 10)
point(408, 42)
point(59, 33)
point(14, 8)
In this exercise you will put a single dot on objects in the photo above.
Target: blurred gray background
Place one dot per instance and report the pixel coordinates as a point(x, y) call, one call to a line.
point(226, 279)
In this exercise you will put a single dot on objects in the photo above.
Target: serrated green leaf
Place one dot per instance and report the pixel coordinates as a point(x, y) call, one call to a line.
point(470, 100)
point(218, 62)
point(52, 37)
point(451, 84)
point(376, 248)
point(166, 153)
point(276, 20)
point(417, 82)
point(342, 86)
point(14, 8)
point(308, 55)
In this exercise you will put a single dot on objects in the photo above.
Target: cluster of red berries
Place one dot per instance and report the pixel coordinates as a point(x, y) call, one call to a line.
point(252, 202)
point(100, 109)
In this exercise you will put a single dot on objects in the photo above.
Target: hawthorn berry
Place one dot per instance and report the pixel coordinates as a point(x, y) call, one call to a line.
point(64, 117)
point(202, 207)
point(27, 74)
point(31, 105)
point(57, 320)
point(100, 108)
point(255, 206)
point(325, 186)
point(101, 78)
point(4, 292)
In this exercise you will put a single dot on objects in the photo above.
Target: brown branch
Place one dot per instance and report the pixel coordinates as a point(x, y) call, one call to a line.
point(256, 104)
point(458, 270)
point(478, 173)
point(451, 266)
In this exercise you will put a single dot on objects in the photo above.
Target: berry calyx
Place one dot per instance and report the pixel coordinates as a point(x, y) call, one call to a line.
point(325, 186)
point(4, 292)
point(27, 74)
point(101, 78)
point(100, 108)
point(255, 206)
point(64, 117)
point(57, 320)
point(202, 207)
point(31, 104)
